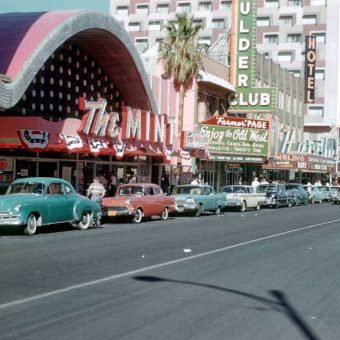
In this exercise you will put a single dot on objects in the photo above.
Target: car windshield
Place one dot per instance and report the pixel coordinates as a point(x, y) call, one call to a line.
point(234, 189)
point(187, 191)
point(26, 188)
point(265, 188)
point(292, 186)
point(130, 190)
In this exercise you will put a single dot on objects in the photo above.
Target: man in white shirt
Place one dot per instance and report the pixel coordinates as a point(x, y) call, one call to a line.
point(255, 183)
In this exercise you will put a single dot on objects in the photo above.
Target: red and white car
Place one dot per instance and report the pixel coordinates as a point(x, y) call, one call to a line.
point(138, 200)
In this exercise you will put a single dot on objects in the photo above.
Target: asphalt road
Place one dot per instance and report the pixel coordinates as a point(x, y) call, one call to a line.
point(272, 274)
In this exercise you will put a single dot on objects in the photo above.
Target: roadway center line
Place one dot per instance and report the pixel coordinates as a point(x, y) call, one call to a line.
point(160, 265)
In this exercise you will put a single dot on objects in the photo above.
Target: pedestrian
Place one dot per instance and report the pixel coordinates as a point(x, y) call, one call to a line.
point(309, 193)
point(255, 183)
point(96, 191)
point(195, 180)
point(112, 183)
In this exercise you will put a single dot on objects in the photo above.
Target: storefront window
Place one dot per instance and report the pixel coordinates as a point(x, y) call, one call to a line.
point(26, 168)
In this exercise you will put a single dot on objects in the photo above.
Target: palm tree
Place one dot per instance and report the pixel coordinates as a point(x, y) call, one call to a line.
point(181, 55)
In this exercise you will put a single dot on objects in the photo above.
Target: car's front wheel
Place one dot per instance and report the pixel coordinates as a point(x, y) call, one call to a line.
point(31, 225)
point(165, 214)
point(218, 211)
point(138, 216)
point(258, 207)
point(243, 206)
point(85, 221)
point(199, 210)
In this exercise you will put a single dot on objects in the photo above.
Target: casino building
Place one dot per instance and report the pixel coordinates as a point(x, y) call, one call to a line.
point(75, 101)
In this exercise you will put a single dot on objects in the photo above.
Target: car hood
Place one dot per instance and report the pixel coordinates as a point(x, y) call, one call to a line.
point(116, 201)
point(8, 201)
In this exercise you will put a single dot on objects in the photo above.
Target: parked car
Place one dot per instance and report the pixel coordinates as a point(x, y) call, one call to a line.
point(326, 193)
point(34, 202)
point(301, 195)
point(277, 195)
point(198, 198)
point(243, 197)
point(316, 193)
point(138, 200)
point(335, 195)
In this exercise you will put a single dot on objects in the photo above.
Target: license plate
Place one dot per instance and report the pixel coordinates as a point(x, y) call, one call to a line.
point(180, 209)
point(111, 213)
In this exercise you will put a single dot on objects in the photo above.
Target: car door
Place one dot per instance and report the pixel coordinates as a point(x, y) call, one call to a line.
point(70, 197)
point(58, 209)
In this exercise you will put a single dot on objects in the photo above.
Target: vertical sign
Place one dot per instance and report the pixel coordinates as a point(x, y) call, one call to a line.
point(242, 68)
point(310, 69)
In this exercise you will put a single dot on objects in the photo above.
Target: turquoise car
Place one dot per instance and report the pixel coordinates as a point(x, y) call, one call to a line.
point(37, 201)
point(198, 198)
point(317, 194)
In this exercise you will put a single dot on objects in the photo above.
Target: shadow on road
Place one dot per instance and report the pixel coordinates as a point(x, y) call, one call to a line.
point(279, 304)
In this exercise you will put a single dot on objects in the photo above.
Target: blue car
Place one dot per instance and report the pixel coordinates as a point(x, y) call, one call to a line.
point(198, 198)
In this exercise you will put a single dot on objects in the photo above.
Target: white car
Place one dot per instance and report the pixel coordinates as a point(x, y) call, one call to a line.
point(243, 197)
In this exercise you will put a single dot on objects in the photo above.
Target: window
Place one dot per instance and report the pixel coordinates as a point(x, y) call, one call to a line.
point(296, 73)
point(309, 19)
point(218, 23)
point(197, 22)
point(263, 22)
point(157, 191)
point(318, 2)
point(134, 27)
point(122, 10)
point(154, 25)
point(163, 8)
point(286, 20)
point(183, 7)
point(320, 37)
point(315, 111)
point(68, 190)
point(142, 44)
point(271, 4)
point(142, 9)
point(285, 56)
point(225, 4)
point(294, 2)
point(204, 41)
point(320, 74)
point(294, 38)
point(271, 39)
point(204, 6)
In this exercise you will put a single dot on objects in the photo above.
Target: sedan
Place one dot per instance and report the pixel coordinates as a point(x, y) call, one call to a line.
point(243, 197)
point(197, 198)
point(277, 195)
point(37, 201)
point(138, 200)
point(300, 193)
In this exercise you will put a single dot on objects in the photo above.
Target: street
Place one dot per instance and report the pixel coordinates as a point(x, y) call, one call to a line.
point(268, 274)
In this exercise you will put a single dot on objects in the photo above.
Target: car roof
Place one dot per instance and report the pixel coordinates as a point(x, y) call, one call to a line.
point(44, 180)
point(139, 185)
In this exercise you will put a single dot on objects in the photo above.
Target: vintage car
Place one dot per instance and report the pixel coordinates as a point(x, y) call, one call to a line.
point(334, 194)
point(37, 201)
point(317, 194)
point(301, 195)
point(138, 200)
point(277, 195)
point(243, 197)
point(197, 198)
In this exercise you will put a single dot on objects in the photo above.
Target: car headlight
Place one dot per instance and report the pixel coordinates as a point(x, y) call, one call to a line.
point(273, 196)
point(190, 201)
point(17, 207)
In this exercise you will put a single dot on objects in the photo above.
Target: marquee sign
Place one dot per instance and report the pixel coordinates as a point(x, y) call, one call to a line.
point(243, 46)
point(228, 135)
